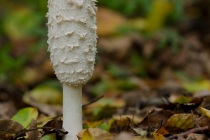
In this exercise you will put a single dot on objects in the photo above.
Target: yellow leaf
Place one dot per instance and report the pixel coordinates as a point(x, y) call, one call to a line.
point(180, 122)
point(135, 23)
point(160, 10)
point(94, 134)
point(205, 112)
point(87, 135)
point(162, 131)
point(158, 136)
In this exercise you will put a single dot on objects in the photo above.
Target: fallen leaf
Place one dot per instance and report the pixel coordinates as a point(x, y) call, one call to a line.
point(45, 95)
point(94, 134)
point(19, 23)
point(160, 10)
point(124, 136)
point(133, 119)
point(33, 134)
point(141, 138)
point(7, 109)
point(30, 76)
point(159, 133)
point(182, 99)
point(48, 137)
point(197, 86)
point(43, 120)
point(100, 124)
point(108, 21)
point(140, 131)
point(205, 112)
point(46, 99)
point(158, 136)
point(162, 131)
point(99, 108)
point(194, 136)
point(205, 103)
point(119, 45)
point(86, 135)
point(51, 110)
point(180, 122)
point(154, 119)
point(9, 129)
point(54, 126)
point(25, 116)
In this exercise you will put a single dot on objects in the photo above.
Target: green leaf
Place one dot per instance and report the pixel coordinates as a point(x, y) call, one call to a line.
point(180, 122)
point(49, 137)
point(25, 116)
point(20, 23)
point(182, 99)
point(44, 94)
point(157, 16)
point(106, 126)
point(197, 85)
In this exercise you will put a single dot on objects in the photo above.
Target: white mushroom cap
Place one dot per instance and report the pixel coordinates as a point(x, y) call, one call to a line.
point(72, 39)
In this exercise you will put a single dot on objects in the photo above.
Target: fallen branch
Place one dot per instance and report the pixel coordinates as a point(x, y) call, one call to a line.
point(194, 130)
point(93, 101)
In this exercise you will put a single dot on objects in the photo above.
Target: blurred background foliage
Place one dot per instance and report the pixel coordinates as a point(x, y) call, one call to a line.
point(150, 53)
point(137, 39)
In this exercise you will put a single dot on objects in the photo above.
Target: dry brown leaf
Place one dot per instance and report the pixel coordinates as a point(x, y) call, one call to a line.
point(194, 136)
point(124, 136)
point(108, 21)
point(134, 119)
point(95, 134)
point(33, 135)
point(154, 119)
point(118, 45)
point(9, 129)
point(51, 110)
point(8, 109)
point(31, 76)
point(205, 103)
point(141, 138)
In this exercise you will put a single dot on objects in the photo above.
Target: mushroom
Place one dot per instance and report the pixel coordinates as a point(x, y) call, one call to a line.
point(72, 46)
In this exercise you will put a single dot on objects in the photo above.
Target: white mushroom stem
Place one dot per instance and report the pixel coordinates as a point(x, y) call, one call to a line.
point(72, 106)
point(72, 46)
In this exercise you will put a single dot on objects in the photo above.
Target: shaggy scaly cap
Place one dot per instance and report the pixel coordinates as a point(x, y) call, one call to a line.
point(72, 39)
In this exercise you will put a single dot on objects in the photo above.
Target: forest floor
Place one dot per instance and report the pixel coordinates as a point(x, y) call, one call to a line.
point(146, 85)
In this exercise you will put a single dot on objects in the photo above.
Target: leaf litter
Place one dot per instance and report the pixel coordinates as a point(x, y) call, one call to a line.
point(151, 81)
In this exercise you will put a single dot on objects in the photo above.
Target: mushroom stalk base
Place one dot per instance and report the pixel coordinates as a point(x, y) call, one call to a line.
point(72, 111)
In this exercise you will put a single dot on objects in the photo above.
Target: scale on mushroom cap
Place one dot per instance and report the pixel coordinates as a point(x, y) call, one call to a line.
point(72, 46)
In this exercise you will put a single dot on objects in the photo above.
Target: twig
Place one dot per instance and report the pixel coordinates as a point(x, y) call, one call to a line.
point(83, 106)
point(93, 101)
point(194, 130)
point(60, 131)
